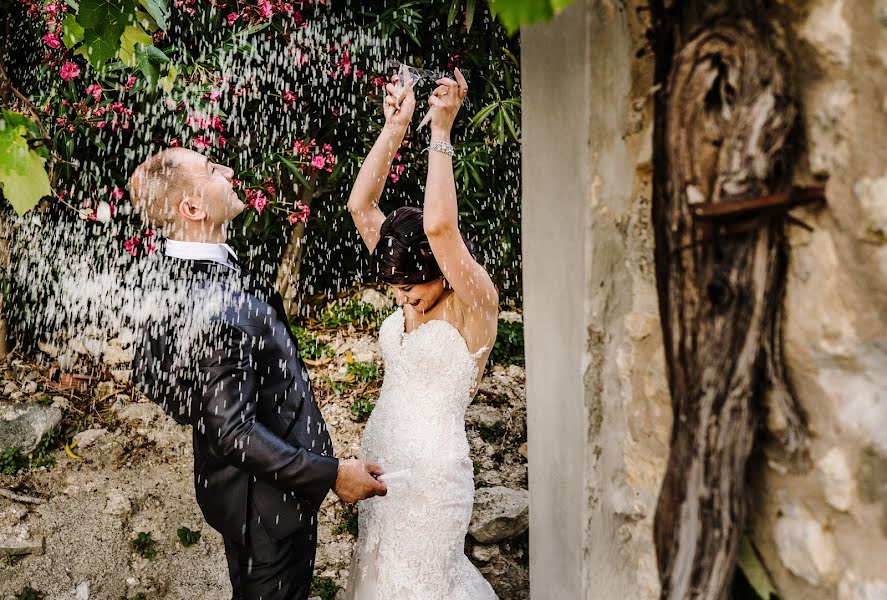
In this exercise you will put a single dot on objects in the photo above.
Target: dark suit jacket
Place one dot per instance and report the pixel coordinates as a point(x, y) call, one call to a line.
point(243, 387)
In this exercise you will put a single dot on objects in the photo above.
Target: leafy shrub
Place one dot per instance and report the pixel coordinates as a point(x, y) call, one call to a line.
point(144, 545)
point(362, 372)
point(12, 460)
point(362, 408)
point(349, 522)
point(509, 347)
point(324, 587)
point(352, 312)
point(309, 346)
point(492, 433)
point(28, 593)
point(188, 537)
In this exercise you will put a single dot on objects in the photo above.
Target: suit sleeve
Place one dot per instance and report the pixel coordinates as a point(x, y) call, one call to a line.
point(228, 420)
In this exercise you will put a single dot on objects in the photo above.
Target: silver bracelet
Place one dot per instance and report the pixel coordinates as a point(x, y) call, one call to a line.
point(441, 147)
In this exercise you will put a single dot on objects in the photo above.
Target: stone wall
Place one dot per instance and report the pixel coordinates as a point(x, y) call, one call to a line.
point(822, 528)
point(598, 405)
point(599, 413)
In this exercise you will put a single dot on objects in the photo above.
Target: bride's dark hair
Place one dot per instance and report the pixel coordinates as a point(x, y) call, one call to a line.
point(403, 255)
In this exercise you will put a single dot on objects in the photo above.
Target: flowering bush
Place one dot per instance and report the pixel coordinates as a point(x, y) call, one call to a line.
point(287, 94)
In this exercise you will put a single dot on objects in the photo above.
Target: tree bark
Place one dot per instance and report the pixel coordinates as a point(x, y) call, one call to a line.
point(722, 123)
point(291, 263)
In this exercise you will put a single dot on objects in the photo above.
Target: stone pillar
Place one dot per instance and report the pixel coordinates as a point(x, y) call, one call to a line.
point(598, 407)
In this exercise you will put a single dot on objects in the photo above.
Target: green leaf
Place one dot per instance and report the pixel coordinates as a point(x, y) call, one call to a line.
point(167, 82)
point(559, 5)
point(151, 61)
point(469, 14)
point(22, 174)
point(159, 11)
point(753, 570)
point(132, 35)
point(100, 47)
point(294, 170)
point(72, 32)
point(514, 13)
point(188, 537)
point(103, 22)
point(451, 16)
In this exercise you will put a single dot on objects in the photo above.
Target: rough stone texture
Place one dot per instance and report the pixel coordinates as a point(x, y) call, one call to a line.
point(23, 425)
point(597, 164)
point(499, 514)
point(595, 371)
point(827, 113)
point(852, 588)
point(805, 547)
point(828, 33)
point(135, 475)
point(838, 483)
point(872, 197)
point(89, 436)
point(14, 546)
point(836, 318)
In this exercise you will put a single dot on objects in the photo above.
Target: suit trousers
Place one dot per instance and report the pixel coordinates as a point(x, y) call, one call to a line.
point(267, 570)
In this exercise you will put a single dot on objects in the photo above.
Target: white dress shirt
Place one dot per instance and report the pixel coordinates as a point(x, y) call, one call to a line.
point(220, 253)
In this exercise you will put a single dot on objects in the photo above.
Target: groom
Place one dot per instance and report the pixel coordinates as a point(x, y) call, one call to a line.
point(217, 353)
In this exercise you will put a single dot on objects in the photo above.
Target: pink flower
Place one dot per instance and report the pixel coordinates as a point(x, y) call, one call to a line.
point(232, 17)
point(201, 142)
point(117, 193)
point(130, 82)
point(265, 9)
point(257, 200)
point(359, 74)
point(399, 169)
point(69, 71)
point(52, 40)
point(394, 177)
point(94, 90)
point(132, 244)
point(318, 162)
point(327, 148)
point(53, 8)
point(289, 98)
point(300, 213)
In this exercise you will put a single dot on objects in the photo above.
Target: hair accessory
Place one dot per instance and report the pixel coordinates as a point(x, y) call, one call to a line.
point(441, 147)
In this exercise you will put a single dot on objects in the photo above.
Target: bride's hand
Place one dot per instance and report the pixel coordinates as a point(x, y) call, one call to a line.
point(399, 104)
point(446, 101)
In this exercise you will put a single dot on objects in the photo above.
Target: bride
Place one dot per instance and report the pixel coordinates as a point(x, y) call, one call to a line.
point(435, 346)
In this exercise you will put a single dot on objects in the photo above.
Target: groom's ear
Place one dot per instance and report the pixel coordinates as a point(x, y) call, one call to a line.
point(191, 208)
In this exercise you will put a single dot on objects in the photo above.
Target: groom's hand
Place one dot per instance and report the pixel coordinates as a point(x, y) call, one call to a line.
point(355, 481)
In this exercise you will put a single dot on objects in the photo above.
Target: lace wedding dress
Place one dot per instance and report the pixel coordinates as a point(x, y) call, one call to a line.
point(411, 542)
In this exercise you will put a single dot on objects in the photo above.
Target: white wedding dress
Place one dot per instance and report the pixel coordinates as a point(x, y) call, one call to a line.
point(411, 542)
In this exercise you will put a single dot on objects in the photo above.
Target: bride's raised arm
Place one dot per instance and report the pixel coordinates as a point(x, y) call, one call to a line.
point(470, 281)
point(363, 203)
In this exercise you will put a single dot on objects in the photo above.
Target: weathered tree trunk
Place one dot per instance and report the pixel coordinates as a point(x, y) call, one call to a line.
point(722, 123)
point(291, 263)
